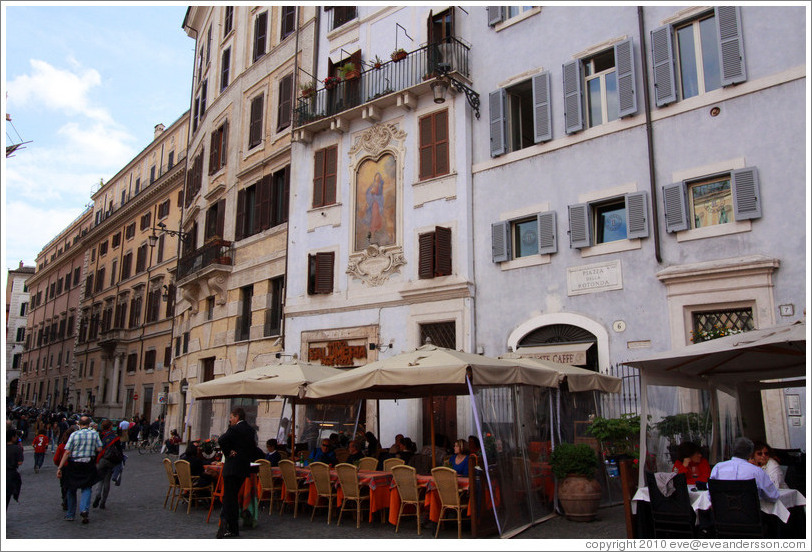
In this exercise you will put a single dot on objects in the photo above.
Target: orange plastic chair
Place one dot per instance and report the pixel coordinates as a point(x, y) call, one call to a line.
point(217, 494)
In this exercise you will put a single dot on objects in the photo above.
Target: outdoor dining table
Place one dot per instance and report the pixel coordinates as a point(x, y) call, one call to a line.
point(248, 496)
point(379, 483)
point(432, 501)
point(700, 500)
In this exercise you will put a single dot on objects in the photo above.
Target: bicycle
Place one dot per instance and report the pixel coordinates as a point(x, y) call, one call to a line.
point(149, 445)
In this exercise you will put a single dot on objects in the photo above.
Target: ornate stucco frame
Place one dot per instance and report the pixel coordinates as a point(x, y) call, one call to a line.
point(375, 264)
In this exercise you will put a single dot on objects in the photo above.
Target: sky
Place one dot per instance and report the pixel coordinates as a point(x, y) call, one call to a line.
point(86, 85)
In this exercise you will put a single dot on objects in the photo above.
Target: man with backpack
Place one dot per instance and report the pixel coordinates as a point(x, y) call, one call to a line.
point(110, 456)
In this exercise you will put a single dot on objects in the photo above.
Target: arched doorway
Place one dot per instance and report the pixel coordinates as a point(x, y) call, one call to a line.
point(562, 342)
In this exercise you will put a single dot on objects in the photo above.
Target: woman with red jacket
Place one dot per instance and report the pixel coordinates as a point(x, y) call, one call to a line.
point(691, 463)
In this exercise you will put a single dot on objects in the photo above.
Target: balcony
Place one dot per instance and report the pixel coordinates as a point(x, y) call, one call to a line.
point(214, 252)
point(379, 87)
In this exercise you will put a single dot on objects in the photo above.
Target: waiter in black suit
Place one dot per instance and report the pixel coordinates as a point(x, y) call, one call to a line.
point(238, 444)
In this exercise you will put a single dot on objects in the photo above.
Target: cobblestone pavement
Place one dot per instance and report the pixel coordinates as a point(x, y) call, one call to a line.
point(135, 511)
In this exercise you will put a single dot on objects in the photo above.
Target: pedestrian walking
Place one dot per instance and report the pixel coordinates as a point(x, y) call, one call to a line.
point(78, 466)
point(60, 451)
point(40, 448)
point(110, 456)
point(123, 434)
point(14, 459)
point(239, 444)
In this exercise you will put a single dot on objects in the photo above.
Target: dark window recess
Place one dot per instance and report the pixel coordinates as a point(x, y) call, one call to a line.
point(219, 151)
point(215, 220)
point(129, 231)
point(285, 112)
point(170, 301)
point(263, 205)
point(324, 179)
point(288, 17)
point(434, 145)
point(116, 241)
point(320, 273)
point(170, 160)
point(149, 359)
point(228, 20)
point(135, 311)
point(435, 253)
point(260, 32)
point(707, 324)
point(145, 220)
point(153, 305)
point(342, 14)
point(194, 178)
point(126, 265)
point(168, 356)
point(225, 68)
point(132, 362)
point(163, 209)
point(273, 315)
point(441, 334)
point(141, 259)
point(243, 330)
point(255, 127)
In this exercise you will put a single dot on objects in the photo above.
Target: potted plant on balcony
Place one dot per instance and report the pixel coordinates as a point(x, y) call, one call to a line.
point(307, 89)
point(331, 82)
point(578, 491)
point(398, 54)
point(349, 71)
point(377, 63)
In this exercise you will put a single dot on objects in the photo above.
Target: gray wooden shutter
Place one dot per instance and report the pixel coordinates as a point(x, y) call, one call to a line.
point(500, 241)
point(731, 46)
point(542, 126)
point(662, 59)
point(746, 200)
point(573, 102)
point(636, 215)
point(626, 78)
point(676, 207)
point(546, 233)
point(579, 226)
point(496, 103)
point(495, 15)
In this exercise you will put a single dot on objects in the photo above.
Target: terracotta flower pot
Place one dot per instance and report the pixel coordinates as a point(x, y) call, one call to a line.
point(580, 497)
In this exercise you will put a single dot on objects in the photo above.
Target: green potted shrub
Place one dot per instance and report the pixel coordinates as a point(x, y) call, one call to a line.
point(398, 54)
point(349, 71)
point(307, 89)
point(619, 437)
point(579, 493)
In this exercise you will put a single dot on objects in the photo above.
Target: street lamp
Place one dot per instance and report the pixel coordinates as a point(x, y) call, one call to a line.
point(444, 79)
point(153, 238)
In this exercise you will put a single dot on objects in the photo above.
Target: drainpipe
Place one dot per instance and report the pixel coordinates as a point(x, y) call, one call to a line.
point(655, 216)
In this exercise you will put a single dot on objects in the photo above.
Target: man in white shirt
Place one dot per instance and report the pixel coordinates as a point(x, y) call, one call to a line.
point(739, 468)
point(123, 434)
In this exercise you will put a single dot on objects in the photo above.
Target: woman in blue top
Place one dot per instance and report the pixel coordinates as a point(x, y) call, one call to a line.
point(459, 460)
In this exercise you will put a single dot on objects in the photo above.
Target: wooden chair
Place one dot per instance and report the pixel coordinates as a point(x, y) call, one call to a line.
point(188, 491)
point(217, 494)
point(368, 463)
point(267, 489)
point(173, 483)
point(390, 463)
point(324, 488)
point(293, 485)
point(446, 481)
point(348, 478)
point(673, 516)
point(406, 482)
point(736, 509)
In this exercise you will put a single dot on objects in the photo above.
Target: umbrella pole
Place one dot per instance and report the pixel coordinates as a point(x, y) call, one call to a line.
point(431, 415)
point(293, 429)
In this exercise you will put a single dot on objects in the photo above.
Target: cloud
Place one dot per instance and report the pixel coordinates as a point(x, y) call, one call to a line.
point(59, 89)
point(25, 240)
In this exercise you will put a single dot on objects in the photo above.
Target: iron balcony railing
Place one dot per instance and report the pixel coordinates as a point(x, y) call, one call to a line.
point(220, 252)
point(392, 76)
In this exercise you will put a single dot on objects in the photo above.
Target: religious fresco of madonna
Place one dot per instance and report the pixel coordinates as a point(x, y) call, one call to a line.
point(375, 202)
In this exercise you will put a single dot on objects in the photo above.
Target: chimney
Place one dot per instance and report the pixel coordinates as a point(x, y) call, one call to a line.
point(159, 129)
point(21, 264)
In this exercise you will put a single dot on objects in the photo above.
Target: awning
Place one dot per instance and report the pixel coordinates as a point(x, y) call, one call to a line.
point(563, 353)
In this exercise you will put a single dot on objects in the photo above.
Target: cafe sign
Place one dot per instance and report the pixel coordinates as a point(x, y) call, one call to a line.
point(336, 353)
point(565, 353)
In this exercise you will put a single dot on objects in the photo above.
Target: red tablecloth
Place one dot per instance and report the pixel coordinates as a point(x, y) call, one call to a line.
point(432, 501)
point(249, 492)
point(379, 483)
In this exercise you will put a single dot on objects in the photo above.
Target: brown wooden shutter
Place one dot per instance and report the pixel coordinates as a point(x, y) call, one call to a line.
point(330, 170)
point(425, 264)
point(318, 179)
point(255, 129)
point(239, 227)
point(263, 202)
point(221, 218)
point(441, 143)
point(324, 273)
point(210, 224)
point(224, 144)
point(285, 102)
point(214, 154)
point(442, 251)
point(426, 148)
point(284, 202)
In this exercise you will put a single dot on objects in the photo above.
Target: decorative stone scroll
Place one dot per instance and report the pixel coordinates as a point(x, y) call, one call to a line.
point(217, 286)
point(191, 294)
point(377, 138)
point(374, 265)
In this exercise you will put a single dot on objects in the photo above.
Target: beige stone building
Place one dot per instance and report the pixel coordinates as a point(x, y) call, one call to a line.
point(231, 279)
point(124, 330)
point(17, 303)
point(54, 290)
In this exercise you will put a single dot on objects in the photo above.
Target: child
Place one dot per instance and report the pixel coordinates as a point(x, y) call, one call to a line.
point(273, 455)
point(40, 448)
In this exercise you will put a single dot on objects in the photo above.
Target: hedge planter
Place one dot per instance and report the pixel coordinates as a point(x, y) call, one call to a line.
point(580, 497)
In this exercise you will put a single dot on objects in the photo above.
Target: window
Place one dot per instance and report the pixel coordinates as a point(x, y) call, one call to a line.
point(255, 125)
point(153, 305)
point(141, 259)
point(186, 336)
point(20, 334)
point(607, 79)
point(120, 315)
point(67, 281)
point(113, 267)
point(135, 311)
point(167, 357)
point(284, 112)
point(520, 115)
point(219, 152)
point(513, 239)
point(170, 301)
point(434, 145)
point(243, 330)
point(260, 32)
point(132, 363)
point(434, 253)
point(145, 220)
point(103, 248)
point(273, 314)
point(194, 178)
point(287, 15)
point(225, 67)
point(170, 162)
point(99, 280)
point(59, 285)
point(713, 200)
point(621, 218)
point(70, 325)
point(152, 174)
point(204, 93)
point(163, 209)
point(88, 285)
point(76, 273)
point(215, 220)
point(707, 325)
point(159, 256)
point(195, 115)
point(686, 59)
point(324, 176)
point(116, 240)
point(137, 185)
point(210, 307)
point(129, 231)
point(228, 20)
point(263, 205)
point(23, 309)
point(15, 361)
point(341, 15)
point(180, 198)
point(497, 14)
point(126, 265)
point(441, 334)
point(320, 273)
point(208, 45)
